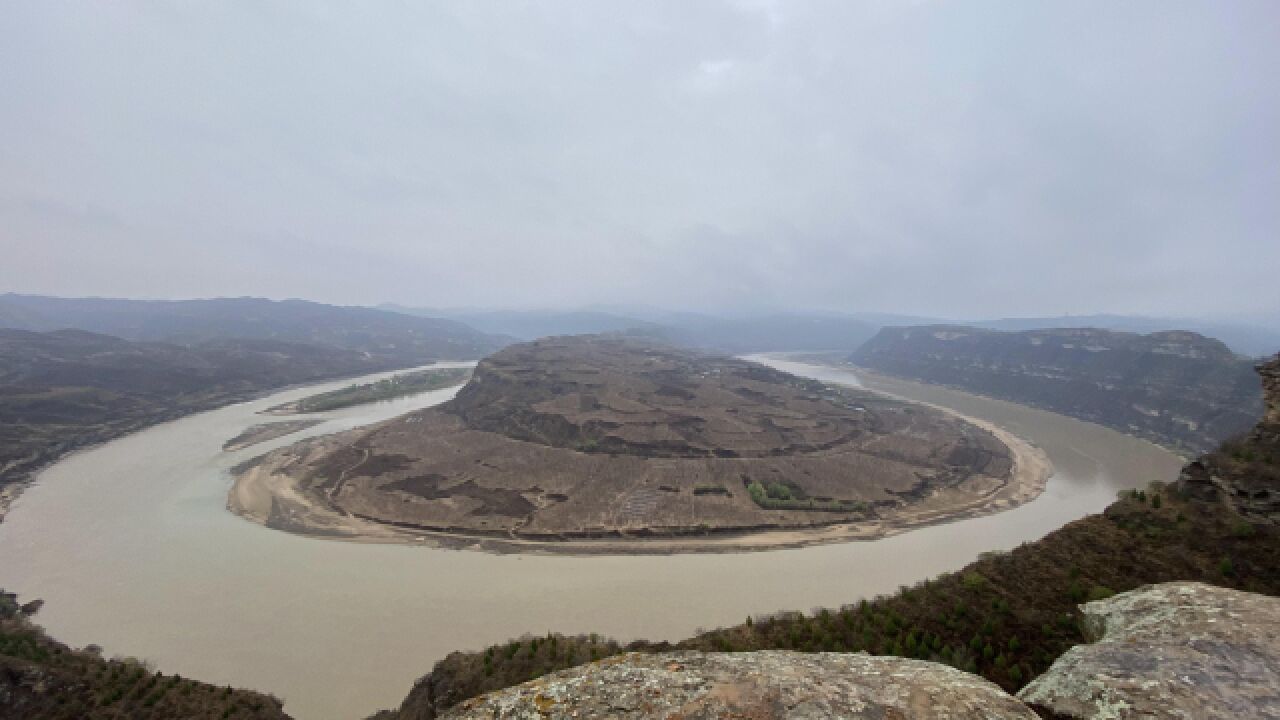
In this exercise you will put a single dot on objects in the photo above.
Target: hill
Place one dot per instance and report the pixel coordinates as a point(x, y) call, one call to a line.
point(1180, 389)
point(1007, 616)
point(1251, 340)
point(69, 388)
point(393, 337)
point(607, 438)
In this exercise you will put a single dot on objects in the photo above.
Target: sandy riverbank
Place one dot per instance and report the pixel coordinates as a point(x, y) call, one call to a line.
point(266, 494)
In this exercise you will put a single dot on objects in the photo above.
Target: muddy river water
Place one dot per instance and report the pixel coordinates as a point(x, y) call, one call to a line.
point(131, 547)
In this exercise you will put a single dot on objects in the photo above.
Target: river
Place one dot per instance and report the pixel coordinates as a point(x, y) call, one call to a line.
point(131, 547)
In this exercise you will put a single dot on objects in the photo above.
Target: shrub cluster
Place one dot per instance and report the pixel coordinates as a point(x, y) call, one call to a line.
point(44, 679)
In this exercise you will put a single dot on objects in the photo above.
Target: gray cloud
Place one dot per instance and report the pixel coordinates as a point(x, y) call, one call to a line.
point(989, 158)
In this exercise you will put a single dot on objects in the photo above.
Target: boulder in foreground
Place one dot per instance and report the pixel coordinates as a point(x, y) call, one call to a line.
point(767, 685)
point(1175, 650)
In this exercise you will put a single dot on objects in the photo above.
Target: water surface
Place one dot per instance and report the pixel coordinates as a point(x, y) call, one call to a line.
point(131, 547)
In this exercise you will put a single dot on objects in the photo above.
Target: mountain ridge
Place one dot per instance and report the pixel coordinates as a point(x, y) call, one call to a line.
point(405, 338)
point(1177, 388)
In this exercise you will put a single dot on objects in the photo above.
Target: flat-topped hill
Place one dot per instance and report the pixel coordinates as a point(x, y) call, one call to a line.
point(600, 438)
point(1177, 388)
point(608, 395)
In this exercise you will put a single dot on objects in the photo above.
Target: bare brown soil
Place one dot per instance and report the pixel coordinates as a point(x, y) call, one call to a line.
point(623, 447)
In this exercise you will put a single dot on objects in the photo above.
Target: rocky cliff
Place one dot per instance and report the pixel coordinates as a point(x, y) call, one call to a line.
point(1245, 472)
point(1177, 388)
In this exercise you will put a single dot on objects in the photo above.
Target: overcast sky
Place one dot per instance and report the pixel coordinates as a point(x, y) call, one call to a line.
point(940, 158)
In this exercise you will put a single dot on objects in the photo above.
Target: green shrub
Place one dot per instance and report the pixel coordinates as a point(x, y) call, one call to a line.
point(1100, 592)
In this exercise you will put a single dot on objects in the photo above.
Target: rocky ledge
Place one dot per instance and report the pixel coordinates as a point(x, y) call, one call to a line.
point(763, 685)
point(1244, 473)
point(1182, 651)
point(1177, 650)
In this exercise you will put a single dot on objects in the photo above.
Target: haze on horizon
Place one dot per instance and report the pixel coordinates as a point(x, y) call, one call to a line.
point(944, 159)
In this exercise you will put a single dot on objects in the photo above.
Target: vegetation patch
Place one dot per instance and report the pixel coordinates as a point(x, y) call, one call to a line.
point(773, 495)
point(41, 679)
point(397, 386)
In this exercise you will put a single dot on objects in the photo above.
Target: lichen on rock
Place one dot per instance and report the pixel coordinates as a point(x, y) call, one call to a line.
point(766, 685)
point(1175, 650)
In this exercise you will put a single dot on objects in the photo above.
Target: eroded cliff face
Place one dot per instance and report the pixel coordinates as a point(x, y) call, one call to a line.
point(1245, 472)
point(1270, 372)
point(1177, 388)
point(1176, 650)
point(766, 685)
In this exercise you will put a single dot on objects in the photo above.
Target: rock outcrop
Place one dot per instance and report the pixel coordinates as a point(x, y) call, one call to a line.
point(1270, 372)
point(767, 685)
point(1245, 473)
point(1176, 650)
point(1181, 650)
point(1176, 388)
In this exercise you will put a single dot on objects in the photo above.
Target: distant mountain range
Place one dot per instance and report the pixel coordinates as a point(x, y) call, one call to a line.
point(533, 324)
point(1246, 339)
point(757, 333)
point(801, 330)
point(391, 336)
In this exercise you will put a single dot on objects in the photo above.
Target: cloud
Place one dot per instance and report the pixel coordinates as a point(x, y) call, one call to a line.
point(939, 158)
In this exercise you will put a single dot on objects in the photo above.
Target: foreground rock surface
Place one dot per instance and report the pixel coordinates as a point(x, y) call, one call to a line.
point(1175, 650)
point(760, 685)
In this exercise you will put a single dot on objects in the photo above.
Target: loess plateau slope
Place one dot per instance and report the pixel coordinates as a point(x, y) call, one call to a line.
point(601, 438)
